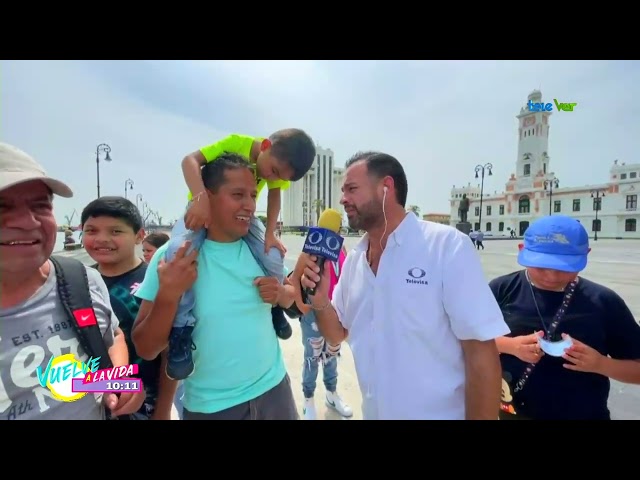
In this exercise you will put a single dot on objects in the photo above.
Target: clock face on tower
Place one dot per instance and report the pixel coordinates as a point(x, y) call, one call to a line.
point(529, 121)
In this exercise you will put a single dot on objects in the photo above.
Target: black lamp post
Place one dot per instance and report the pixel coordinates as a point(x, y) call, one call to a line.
point(138, 199)
point(549, 186)
point(128, 185)
point(481, 169)
point(103, 147)
point(597, 194)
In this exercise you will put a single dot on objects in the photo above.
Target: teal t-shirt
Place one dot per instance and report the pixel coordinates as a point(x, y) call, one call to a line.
point(238, 355)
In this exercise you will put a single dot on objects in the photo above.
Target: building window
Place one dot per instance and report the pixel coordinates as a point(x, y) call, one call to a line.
point(527, 170)
point(632, 202)
point(325, 203)
point(556, 206)
point(476, 226)
point(488, 210)
point(633, 175)
point(501, 209)
point(597, 203)
point(596, 225)
point(477, 210)
point(501, 227)
point(576, 205)
point(330, 182)
point(623, 176)
point(488, 227)
point(630, 225)
point(524, 205)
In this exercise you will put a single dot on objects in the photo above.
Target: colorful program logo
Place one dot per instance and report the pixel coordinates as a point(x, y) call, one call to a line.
point(68, 379)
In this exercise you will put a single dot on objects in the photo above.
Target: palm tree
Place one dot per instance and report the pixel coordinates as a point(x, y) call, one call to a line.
point(415, 209)
point(318, 204)
point(69, 219)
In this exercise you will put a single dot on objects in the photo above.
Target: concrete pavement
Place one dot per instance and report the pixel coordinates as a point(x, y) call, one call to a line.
point(613, 263)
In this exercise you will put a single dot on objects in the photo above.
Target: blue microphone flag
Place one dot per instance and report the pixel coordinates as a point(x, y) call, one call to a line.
point(323, 243)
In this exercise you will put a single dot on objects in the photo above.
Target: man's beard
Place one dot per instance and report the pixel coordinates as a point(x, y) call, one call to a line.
point(367, 216)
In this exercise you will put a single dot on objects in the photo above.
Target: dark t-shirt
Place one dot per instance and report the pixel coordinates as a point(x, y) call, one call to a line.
point(597, 317)
point(126, 306)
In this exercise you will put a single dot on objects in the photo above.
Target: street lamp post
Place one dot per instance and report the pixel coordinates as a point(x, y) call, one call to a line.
point(597, 194)
point(138, 199)
point(548, 186)
point(481, 169)
point(103, 147)
point(128, 185)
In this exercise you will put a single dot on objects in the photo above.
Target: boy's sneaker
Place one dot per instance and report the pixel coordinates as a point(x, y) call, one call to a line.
point(180, 359)
point(280, 323)
point(334, 401)
point(309, 410)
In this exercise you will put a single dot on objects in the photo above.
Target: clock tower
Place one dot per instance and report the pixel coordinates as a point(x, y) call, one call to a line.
point(533, 142)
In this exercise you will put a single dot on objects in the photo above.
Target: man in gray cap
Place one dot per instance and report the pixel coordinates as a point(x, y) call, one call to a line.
point(34, 328)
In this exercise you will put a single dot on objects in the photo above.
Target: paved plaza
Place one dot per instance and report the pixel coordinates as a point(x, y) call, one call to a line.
point(614, 263)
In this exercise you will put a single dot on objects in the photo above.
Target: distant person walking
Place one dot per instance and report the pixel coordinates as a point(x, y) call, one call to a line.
point(479, 240)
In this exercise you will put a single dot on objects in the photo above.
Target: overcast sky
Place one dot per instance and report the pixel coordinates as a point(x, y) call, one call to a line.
point(440, 119)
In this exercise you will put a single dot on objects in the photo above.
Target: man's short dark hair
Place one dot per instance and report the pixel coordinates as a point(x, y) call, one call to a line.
point(294, 147)
point(213, 172)
point(380, 165)
point(114, 207)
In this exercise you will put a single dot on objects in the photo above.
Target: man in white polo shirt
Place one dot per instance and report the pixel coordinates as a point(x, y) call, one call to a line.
point(414, 305)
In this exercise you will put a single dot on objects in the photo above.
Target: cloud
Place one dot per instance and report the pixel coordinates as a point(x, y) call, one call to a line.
point(60, 111)
point(440, 119)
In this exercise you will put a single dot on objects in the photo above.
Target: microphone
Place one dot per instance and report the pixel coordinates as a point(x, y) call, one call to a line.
point(324, 241)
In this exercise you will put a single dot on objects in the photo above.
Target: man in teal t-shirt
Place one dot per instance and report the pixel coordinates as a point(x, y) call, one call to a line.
point(239, 368)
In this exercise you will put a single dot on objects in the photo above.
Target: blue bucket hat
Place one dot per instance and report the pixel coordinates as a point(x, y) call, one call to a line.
point(556, 242)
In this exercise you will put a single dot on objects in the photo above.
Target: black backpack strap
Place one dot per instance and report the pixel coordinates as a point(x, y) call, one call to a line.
point(73, 290)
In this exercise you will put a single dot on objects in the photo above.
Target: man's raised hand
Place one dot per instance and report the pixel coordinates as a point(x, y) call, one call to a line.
point(178, 275)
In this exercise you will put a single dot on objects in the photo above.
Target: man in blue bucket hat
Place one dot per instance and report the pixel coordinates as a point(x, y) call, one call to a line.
point(555, 242)
point(569, 335)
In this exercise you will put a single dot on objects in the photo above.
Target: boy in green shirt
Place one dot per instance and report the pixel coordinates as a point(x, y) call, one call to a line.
point(280, 159)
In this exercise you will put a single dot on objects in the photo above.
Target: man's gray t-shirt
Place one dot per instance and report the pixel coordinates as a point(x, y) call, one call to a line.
point(30, 335)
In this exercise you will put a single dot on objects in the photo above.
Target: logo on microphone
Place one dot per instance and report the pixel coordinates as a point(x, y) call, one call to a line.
point(324, 243)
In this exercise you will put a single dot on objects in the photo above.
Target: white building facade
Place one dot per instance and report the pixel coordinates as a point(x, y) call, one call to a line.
point(320, 188)
point(609, 209)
